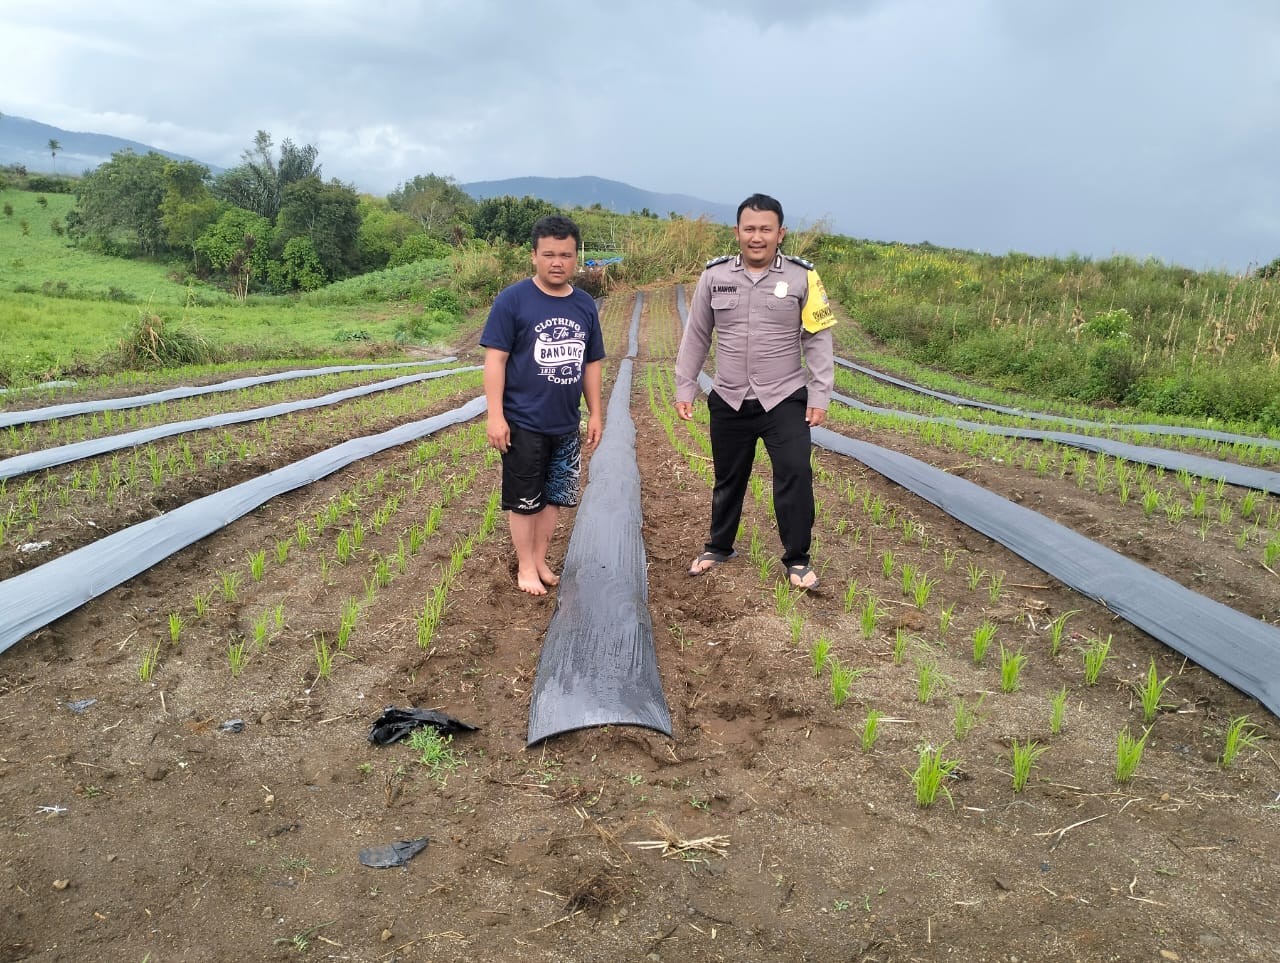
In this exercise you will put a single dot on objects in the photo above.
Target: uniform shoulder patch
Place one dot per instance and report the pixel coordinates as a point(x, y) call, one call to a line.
point(807, 265)
point(719, 260)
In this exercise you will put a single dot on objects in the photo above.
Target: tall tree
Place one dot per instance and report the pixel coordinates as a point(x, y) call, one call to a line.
point(258, 184)
point(509, 218)
point(188, 208)
point(54, 147)
point(118, 204)
point(327, 214)
point(238, 246)
point(438, 203)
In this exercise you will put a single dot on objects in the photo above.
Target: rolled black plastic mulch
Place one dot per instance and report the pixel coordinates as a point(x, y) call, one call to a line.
point(395, 724)
point(1243, 476)
point(60, 455)
point(36, 597)
point(598, 665)
point(51, 412)
point(1225, 436)
point(1242, 651)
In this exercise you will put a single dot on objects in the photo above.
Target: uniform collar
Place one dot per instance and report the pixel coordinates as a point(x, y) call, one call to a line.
point(776, 266)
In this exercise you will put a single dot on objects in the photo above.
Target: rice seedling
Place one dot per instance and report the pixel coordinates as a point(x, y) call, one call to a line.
point(282, 549)
point(929, 679)
point(150, 662)
point(930, 776)
point(908, 573)
point(975, 576)
point(983, 636)
point(230, 586)
point(949, 556)
point(850, 594)
point(819, 651)
point(995, 586)
point(235, 657)
point(1057, 710)
point(784, 602)
point(324, 657)
point(382, 573)
point(325, 570)
point(1225, 514)
point(900, 642)
point(1056, 628)
point(887, 562)
point(1129, 754)
point(870, 616)
point(258, 564)
point(795, 625)
point(1011, 665)
point(432, 612)
point(347, 623)
point(1150, 501)
point(175, 627)
point(922, 589)
point(1023, 759)
point(964, 717)
point(435, 752)
point(871, 729)
point(261, 631)
point(1241, 734)
point(944, 619)
point(1249, 503)
point(842, 680)
point(1271, 552)
point(1096, 655)
point(302, 531)
point(342, 547)
point(1151, 691)
point(201, 602)
point(357, 535)
point(1199, 503)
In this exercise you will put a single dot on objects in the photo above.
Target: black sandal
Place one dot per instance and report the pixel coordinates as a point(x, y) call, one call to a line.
point(801, 572)
point(714, 558)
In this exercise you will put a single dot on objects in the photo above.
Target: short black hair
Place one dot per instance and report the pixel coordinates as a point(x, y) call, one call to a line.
point(761, 202)
point(557, 226)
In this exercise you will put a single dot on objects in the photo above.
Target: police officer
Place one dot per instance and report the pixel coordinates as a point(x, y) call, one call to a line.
point(774, 374)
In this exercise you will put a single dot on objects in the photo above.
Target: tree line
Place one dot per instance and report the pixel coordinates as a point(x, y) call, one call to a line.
point(273, 223)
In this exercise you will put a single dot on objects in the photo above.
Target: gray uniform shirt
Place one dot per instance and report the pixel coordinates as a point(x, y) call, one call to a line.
point(760, 339)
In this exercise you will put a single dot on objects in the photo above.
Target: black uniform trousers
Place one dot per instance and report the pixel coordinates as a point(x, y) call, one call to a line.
point(733, 449)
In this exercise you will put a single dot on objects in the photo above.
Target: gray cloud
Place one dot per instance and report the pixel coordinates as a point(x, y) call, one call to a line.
point(1144, 128)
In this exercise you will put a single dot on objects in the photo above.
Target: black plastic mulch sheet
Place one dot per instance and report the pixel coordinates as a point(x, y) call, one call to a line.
point(1178, 430)
point(51, 412)
point(60, 455)
point(1242, 475)
point(36, 597)
point(1240, 650)
point(598, 664)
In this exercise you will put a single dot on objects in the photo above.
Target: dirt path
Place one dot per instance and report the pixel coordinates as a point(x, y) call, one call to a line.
point(139, 829)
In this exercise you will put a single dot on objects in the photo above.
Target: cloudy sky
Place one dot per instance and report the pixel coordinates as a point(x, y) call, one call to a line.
point(1142, 127)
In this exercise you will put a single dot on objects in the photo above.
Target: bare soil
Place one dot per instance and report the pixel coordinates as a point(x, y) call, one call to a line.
point(138, 828)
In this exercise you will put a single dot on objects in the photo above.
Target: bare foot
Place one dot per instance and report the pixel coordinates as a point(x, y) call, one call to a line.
point(531, 584)
point(547, 576)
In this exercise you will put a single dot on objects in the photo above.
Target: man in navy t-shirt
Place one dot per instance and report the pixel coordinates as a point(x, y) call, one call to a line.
point(543, 351)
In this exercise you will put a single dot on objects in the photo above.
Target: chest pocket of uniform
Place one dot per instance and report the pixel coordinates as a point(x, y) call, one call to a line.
point(724, 302)
point(780, 304)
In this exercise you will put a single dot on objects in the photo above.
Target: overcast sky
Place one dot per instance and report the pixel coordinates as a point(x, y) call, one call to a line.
point(1142, 127)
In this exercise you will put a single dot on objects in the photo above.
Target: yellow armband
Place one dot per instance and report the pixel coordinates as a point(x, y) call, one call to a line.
point(817, 314)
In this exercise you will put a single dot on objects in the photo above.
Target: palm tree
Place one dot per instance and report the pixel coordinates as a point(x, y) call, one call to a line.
point(54, 147)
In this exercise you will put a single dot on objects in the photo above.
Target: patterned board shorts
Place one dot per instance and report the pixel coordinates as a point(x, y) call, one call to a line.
point(540, 470)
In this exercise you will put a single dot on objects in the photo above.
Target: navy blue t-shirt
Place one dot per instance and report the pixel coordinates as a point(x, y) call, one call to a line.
point(549, 339)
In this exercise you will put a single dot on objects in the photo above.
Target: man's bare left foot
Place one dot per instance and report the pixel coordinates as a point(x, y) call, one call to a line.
point(533, 585)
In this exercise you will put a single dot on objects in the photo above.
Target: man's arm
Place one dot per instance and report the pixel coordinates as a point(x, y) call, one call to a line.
point(592, 376)
point(819, 349)
point(495, 380)
point(695, 344)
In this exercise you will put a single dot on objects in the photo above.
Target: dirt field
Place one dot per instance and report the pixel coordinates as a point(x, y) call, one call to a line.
point(138, 829)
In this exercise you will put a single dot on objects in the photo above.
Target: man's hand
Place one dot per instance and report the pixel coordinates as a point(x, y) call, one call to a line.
point(594, 431)
point(499, 433)
point(815, 416)
point(685, 410)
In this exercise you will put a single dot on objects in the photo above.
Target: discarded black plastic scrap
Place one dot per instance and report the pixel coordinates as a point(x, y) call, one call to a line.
point(393, 854)
point(1242, 651)
point(598, 664)
point(396, 724)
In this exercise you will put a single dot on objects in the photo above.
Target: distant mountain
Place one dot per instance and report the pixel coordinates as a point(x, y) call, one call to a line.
point(613, 195)
point(26, 142)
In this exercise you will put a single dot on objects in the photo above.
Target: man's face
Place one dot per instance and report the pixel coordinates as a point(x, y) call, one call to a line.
point(759, 233)
point(554, 260)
